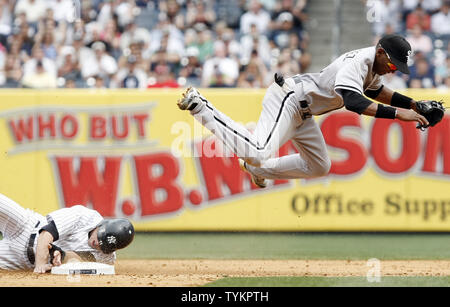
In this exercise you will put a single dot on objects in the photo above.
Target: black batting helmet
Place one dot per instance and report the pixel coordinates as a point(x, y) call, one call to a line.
point(114, 234)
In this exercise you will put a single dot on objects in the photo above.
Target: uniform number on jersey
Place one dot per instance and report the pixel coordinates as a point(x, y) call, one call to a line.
point(350, 55)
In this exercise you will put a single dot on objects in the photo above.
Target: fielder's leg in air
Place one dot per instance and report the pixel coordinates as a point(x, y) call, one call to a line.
point(281, 119)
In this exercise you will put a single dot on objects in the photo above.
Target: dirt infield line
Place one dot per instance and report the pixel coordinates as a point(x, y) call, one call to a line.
point(182, 273)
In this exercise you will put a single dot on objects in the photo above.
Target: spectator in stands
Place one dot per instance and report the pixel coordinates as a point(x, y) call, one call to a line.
point(280, 36)
point(130, 76)
point(168, 36)
point(255, 41)
point(191, 68)
point(422, 74)
point(284, 63)
point(6, 19)
point(99, 63)
point(382, 12)
point(419, 42)
point(431, 6)
point(38, 56)
point(442, 72)
point(67, 63)
point(255, 15)
point(172, 10)
point(12, 72)
point(299, 52)
point(162, 71)
point(97, 47)
point(124, 11)
point(22, 36)
point(295, 8)
point(232, 46)
point(446, 84)
point(205, 42)
point(33, 9)
point(418, 16)
point(132, 32)
point(39, 78)
point(220, 70)
point(200, 11)
point(252, 74)
point(440, 22)
point(111, 35)
point(48, 46)
point(63, 10)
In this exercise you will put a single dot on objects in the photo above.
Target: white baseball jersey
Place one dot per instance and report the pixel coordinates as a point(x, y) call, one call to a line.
point(286, 115)
point(73, 225)
point(351, 71)
point(18, 224)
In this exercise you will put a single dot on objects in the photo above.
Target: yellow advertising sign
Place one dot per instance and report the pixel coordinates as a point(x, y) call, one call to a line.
point(134, 154)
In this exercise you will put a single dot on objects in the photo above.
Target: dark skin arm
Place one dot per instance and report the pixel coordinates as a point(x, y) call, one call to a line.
point(385, 97)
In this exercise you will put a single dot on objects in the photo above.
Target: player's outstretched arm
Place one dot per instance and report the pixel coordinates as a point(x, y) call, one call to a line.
point(42, 252)
point(387, 96)
point(356, 102)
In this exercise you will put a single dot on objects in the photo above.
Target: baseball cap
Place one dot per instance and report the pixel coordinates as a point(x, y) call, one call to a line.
point(398, 49)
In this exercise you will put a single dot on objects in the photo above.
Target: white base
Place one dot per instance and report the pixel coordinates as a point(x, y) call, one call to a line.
point(87, 268)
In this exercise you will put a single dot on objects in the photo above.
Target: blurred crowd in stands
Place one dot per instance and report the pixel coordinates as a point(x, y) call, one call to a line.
point(205, 43)
point(426, 26)
point(149, 44)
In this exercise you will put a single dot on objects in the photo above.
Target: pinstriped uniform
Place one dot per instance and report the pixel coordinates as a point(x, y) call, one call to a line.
point(286, 115)
point(17, 224)
point(73, 225)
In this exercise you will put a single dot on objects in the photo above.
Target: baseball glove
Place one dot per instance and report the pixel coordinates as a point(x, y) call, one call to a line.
point(432, 110)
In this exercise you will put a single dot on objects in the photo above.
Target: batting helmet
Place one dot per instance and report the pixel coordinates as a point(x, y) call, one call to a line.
point(114, 234)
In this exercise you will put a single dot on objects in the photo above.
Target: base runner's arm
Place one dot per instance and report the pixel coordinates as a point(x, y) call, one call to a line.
point(42, 252)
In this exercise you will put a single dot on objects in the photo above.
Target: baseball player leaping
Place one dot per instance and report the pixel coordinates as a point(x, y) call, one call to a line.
point(32, 241)
point(289, 104)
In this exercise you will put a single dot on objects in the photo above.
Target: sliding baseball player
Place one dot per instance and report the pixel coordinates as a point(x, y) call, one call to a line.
point(32, 241)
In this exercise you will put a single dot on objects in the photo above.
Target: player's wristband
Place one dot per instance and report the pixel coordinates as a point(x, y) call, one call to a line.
point(401, 101)
point(385, 112)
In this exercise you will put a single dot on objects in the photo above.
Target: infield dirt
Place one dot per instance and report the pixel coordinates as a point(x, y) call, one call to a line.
point(182, 273)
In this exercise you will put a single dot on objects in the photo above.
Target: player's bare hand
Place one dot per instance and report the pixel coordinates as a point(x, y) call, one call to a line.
point(42, 268)
point(411, 116)
point(56, 258)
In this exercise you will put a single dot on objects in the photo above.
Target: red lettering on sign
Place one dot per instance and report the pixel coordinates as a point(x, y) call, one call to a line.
point(438, 144)
point(115, 127)
point(98, 127)
point(69, 126)
point(158, 173)
point(140, 120)
point(357, 153)
point(380, 147)
point(89, 184)
point(46, 125)
point(22, 129)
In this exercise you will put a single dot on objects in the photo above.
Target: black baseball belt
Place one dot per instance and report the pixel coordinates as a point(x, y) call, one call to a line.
point(30, 251)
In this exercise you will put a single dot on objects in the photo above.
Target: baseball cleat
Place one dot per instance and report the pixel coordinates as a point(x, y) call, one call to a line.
point(191, 98)
point(259, 181)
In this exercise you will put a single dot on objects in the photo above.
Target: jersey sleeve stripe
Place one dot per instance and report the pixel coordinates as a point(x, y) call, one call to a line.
point(348, 87)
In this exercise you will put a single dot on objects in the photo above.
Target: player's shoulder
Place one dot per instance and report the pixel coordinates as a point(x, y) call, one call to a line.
point(360, 55)
point(81, 209)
